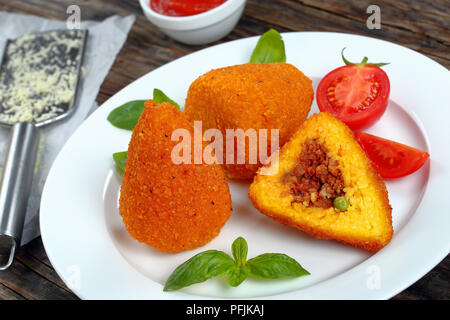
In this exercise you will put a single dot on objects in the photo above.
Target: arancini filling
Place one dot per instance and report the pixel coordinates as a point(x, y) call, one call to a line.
point(316, 180)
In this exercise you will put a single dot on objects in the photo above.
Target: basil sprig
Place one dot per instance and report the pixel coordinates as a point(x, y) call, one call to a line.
point(214, 263)
point(127, 115)
point(270, 48)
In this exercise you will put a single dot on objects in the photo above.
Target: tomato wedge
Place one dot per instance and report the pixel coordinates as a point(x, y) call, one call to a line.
point(356, 93)
point(391, 159)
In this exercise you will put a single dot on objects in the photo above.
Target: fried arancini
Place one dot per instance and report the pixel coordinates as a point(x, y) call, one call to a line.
point(250, 96)
point(289, 195)
point(171, 207)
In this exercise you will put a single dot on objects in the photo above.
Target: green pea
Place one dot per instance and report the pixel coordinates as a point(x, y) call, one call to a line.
point(341, 203)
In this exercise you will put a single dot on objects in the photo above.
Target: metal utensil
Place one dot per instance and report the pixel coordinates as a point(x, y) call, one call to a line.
point(39, 78)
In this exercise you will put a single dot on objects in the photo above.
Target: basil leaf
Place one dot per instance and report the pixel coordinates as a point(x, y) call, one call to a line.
point(199, 268)
point(119, 159)
point(160, 97)
point(274, 266)
point(237, 275)
point(240, 249)
point(127, 115)
point(270, 48)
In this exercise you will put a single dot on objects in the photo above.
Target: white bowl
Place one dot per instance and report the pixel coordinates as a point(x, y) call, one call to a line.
point(201, 28)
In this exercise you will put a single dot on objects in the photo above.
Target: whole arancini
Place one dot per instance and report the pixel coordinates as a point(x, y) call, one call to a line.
point(171, 207)
point(251, 96)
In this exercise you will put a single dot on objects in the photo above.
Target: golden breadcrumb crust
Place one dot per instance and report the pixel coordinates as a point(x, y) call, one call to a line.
point(368, 221)
point(251, 96)
point(167, 206)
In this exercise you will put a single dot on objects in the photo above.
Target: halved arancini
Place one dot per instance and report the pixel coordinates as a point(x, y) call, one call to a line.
point(320, 163)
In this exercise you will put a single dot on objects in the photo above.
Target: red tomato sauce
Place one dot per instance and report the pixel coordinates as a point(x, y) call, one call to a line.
point(182, 8)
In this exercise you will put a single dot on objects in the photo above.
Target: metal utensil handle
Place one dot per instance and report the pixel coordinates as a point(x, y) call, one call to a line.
point(15, 185)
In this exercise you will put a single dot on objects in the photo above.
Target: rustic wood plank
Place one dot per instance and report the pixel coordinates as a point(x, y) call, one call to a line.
point(8, 294)
point(30, 284)
point(296, 16)
point(435, 285)
point(42, 269)
point(426, 18)
point(35, 248)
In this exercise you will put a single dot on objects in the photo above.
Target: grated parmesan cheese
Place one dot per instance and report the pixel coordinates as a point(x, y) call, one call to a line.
point(38, 76)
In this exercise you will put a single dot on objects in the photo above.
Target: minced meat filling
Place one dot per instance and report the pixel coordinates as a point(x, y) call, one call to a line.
point(316, 180)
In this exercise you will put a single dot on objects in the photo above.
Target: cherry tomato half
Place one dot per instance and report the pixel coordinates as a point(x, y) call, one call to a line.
point(391, 159)
point(356, 93)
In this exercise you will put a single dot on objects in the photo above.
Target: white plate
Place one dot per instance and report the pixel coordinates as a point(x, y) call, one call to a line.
point(87, 243)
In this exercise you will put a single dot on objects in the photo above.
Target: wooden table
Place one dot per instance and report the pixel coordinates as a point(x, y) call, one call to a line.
point(422, 25)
